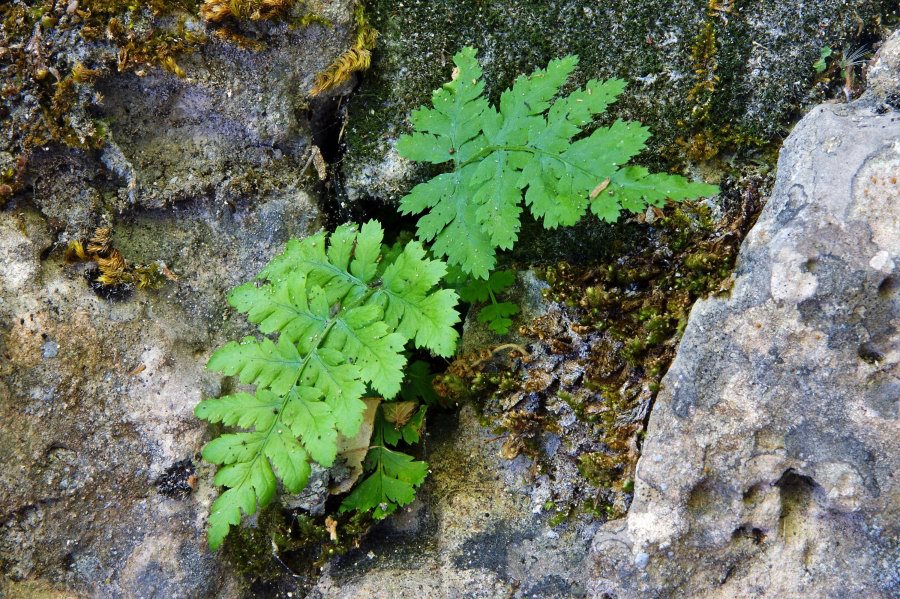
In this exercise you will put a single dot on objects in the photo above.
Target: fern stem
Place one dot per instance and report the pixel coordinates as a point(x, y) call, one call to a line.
point(484, 153)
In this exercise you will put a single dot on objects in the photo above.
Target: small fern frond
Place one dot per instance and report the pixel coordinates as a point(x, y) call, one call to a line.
point(530, 147)
point(341, 319)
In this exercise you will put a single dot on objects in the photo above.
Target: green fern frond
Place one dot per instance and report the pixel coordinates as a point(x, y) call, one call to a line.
point(496, 314)
point(532, 145)
point(342, 316)
point(394, 475)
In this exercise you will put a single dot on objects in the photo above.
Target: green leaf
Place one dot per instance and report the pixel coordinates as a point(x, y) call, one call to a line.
point(497, 316)
point(283, 308)
point(824, 53)
point(263, 363)
point(241, 409)
point(290, 461)
point(481, 291)
point(250, 482)
point(360, 332)
point(452, 223)
point(411, 430)
point(419, 384)
point(392, 484)
point(342, 385)
point(338, 311)
point(427, 317)
point(234, 448)
point(634, 188)
point(424, 147)
point(532, 148)
point(313, 422)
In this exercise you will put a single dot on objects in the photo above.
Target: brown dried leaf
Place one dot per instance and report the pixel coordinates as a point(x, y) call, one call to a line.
point(398, 413)
point(599, 189)
point(353, 451)
point(331, 527)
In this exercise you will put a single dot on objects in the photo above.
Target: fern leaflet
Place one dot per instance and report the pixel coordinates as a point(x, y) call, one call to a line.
point(497, 314)
point(394, 475)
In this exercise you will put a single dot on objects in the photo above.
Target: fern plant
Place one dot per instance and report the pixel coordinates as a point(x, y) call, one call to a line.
point(529, 146)
point(336, 319)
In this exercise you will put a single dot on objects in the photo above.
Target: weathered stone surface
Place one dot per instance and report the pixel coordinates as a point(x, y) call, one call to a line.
point(883, 77)
point(474, 532)
point(704, 76)
point(102, 492)
point(240, 122)
point(98, 441)
point(769, 468)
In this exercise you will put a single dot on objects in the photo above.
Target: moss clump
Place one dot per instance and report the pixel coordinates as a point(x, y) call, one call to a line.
point(284, 542)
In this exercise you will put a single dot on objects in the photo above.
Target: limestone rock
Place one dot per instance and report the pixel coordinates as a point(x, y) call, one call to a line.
point(473, 532)
point(769, 468)
point(102, 492)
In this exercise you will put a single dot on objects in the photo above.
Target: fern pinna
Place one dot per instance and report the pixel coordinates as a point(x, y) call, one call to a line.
point(341, 316)
point(525, 145)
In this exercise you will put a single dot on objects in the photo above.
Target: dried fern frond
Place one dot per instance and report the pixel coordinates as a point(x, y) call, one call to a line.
point(75, 253)
point(150, 277)
point(227, 34)
point(82, 74)
point(354, 59)
point(215, 11)
point(112, 269)
point(170, 65)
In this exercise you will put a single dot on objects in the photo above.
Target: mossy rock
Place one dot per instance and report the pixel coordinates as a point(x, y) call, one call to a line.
point(708, 77)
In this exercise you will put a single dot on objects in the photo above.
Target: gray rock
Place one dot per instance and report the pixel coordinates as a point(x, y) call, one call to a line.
point(313, 497)
point(102, 492)
point(239, 124)
point(50, 349)
point(883, 78)
point(474, 531)
point(769, 468)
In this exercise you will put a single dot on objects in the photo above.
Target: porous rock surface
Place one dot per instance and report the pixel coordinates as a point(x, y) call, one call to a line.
point(102, 492)
point(769, 468)
point(240, 122)
point(474, 531)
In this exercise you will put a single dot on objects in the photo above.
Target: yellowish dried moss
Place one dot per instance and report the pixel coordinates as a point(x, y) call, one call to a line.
point(356, 58)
